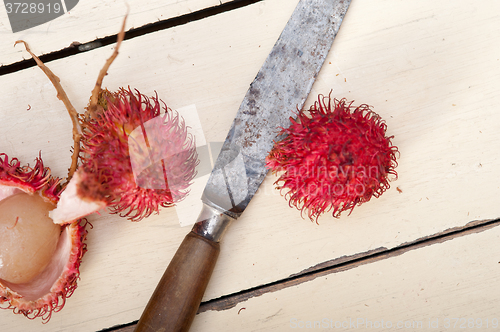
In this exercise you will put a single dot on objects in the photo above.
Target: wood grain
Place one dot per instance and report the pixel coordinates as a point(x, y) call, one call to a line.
point(91, 20)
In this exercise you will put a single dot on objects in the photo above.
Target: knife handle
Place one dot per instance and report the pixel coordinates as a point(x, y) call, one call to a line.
point(177, 297)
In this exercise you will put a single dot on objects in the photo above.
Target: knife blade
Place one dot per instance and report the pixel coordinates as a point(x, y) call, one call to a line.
point(280, 87)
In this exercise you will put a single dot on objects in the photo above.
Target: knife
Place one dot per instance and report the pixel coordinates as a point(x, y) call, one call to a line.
point(280, 87)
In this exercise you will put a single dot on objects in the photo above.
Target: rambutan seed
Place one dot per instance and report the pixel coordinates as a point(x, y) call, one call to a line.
point(334, 156)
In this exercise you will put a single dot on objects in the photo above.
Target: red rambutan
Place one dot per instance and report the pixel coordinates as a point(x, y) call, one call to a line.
point(39, 260)
point(135, 158)
point(334, 156)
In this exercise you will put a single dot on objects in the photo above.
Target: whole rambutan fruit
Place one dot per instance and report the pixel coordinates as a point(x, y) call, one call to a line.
point(136, 156)
point(39, 260)
point(333, 157)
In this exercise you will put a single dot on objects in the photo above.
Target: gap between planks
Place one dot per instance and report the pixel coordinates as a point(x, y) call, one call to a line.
point(334, 266)
point(77, 48)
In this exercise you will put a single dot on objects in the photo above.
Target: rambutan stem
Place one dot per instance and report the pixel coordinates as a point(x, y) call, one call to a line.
point(92, 108)
point(61, 94)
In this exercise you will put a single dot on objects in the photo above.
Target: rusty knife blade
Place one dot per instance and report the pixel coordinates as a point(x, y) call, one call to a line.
point(280, 87)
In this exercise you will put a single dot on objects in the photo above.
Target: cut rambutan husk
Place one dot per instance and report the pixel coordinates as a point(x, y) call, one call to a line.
point(39, 261)
point(333, 156)
point(137, 156)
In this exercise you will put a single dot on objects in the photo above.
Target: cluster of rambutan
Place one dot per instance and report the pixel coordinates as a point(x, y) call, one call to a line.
point(132, 154)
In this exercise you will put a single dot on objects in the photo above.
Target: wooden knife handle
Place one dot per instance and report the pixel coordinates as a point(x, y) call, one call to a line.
point(177, 297)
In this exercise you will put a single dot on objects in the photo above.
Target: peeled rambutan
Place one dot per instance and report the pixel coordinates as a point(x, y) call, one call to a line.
point(134, 158)
point(333, 156)
point(39, 260)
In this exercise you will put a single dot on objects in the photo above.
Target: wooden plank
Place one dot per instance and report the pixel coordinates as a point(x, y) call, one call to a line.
point(240, 300)
point(90, 20)
point(343, 264)
point(438, 97)
point(449, 286)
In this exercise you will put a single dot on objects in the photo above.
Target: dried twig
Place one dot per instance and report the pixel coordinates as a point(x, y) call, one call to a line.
point(61, 94)
point(92, 108)
point(77, 130)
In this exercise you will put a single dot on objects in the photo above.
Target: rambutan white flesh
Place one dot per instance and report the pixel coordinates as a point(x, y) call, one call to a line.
point(39, 260)
point(71, 206)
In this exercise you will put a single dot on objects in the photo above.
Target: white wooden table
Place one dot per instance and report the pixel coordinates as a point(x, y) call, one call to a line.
point(423, 257)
